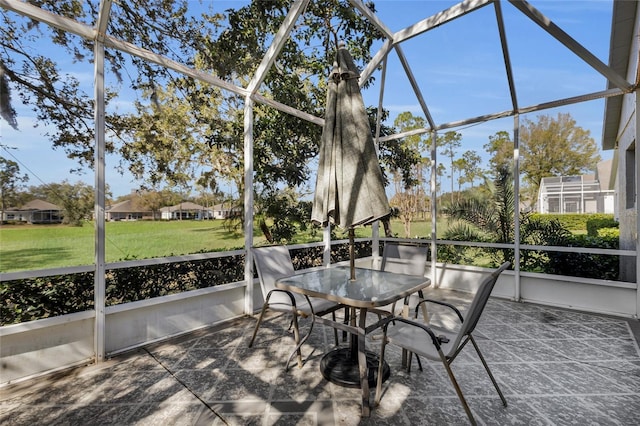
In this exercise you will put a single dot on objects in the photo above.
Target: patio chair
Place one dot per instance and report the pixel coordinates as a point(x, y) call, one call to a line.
point(404, 259)
point(439, 343)
point(275, 262)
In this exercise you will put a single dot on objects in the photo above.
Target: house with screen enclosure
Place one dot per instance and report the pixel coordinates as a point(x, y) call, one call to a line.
point(129, 209)
point(35, 211)
point(578, 194)
point(186, 211)
point(226, 210)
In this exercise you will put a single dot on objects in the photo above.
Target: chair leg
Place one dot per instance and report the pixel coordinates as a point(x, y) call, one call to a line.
point(410, 356)
point(300, 342)
point(425, 314)
point(454, 382)
point(335, 330)
point(255, 330)
point(380, 367)
point(296, 336)
point(486, 367)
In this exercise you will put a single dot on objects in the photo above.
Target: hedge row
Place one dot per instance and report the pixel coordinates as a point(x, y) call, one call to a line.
point(576, 221)
point(37, 298)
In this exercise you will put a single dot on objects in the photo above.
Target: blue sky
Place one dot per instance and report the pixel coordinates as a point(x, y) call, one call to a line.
point(458, 67)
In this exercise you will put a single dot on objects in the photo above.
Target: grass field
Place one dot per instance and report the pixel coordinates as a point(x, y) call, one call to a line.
point(28, 247)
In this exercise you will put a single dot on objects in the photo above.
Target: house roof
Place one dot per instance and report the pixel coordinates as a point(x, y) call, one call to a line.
point(622, 28)
point(603, 174)
point(225, 206)
point(186, 206)
point(39, 205)
point(126, 206)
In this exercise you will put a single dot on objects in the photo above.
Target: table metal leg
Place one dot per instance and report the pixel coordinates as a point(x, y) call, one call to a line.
point(362, 363)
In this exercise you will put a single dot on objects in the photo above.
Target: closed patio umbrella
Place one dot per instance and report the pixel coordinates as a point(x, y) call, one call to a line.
point(349, 188)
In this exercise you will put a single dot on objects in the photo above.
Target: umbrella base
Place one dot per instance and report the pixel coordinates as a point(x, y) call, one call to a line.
point(339, 367)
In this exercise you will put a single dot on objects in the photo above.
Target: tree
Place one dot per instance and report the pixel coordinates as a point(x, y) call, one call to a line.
point(554, 147)
point(172, 142)
point(153, 200)
point(449, 143)
point(76, 200)
point(410, 192)
point(57, 97)
point(397, 159)
point(458, 166)
point(500, 147)
point(184, 130)
point(10, 183)
point(490, 218)
point(287, 216)
point(440, 169)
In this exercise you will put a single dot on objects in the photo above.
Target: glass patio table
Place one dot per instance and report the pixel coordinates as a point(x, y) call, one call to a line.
point(370, 290)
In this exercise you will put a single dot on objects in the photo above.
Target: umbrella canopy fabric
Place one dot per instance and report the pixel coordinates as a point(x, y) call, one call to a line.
point(349, 186)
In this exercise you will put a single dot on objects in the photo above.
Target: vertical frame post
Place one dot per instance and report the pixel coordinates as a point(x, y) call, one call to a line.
point(516, 207)
point(100, 185)
point(248, 203)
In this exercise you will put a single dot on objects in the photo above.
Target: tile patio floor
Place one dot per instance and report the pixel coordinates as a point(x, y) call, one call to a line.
point(555, 367)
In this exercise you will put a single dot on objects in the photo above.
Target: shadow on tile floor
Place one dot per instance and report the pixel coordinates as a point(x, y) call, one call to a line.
point(555, 367)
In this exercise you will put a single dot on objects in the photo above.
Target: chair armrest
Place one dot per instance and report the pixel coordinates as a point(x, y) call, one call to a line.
point(279, 290)
point(435, 339)
point(439, 302)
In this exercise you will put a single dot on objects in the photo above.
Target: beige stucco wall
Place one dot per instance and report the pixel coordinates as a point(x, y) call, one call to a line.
point(628, 152)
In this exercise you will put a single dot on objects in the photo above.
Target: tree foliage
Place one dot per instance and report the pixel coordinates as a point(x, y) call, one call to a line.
point(282, 216)
point(410, 196)
point(448, 144)
point(11, 180)
point(500, 147)
point(76, 200)
point(485, 219)
point(181, 131)
point(491, 219)
point(555, 147)
point(56, 96)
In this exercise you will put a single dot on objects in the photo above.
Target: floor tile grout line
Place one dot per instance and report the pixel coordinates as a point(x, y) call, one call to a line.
point(172, 374)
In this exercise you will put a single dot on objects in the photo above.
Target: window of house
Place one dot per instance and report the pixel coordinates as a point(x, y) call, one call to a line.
point(630, 171)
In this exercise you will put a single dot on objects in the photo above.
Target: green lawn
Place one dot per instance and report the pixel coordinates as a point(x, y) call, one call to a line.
point(28, 247)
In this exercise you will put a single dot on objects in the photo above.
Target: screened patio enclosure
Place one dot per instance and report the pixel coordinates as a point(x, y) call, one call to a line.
point(574, 194)
point(400, 47)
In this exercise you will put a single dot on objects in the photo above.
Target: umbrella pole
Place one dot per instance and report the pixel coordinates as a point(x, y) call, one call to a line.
point(352, 254)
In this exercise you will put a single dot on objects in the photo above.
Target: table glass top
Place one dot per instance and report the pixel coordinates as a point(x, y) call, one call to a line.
point(370, 288)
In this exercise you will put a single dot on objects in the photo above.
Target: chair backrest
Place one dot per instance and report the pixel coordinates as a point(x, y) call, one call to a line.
point(272, 263)
point(480, 300)
point(404, 259)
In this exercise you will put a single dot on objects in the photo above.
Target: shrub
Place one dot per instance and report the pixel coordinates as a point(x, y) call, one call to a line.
point(588, 265)
point(596, 223)
point(609, 233)
point(44, 297)
point(37, 298)
point(572, 221)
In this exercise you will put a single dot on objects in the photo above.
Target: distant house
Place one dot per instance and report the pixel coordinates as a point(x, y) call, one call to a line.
point(578, 194)
point(225, 210)
point(35, 211)
point(185, 211)
point(128, 210)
